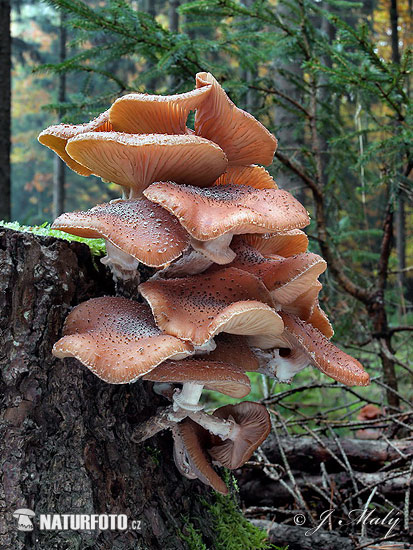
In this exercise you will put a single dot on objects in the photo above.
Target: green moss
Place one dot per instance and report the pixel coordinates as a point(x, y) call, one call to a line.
point(97, 246)
point(192, 536)
point(232, 530)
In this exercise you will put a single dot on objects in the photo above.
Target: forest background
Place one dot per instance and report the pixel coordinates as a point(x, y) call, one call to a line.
point(329, 78)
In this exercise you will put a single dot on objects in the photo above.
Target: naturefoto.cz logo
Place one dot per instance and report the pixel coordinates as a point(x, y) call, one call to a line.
point(74, 522)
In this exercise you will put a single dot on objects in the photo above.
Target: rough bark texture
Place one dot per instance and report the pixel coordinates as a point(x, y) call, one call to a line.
point(5, 108)
point(65, 436)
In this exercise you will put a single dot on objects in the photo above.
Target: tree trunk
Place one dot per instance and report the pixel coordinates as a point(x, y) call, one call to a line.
point(5, 109)
point(65, 435)
point(59, 164)
point(400, 217)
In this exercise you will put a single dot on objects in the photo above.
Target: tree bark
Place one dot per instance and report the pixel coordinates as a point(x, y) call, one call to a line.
point(5, 110)
point(65, 435)
point(59, 164)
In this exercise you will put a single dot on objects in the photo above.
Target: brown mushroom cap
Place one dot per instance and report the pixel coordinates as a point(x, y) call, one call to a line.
point(213, 375)
point(239, 134)
point(211, 212)
point(56, 137)
point(320, 321)
point(117, 339)
point(155, 114)
point(254, 424)
point(323, 354)
point(136, 160)
point(253, 175)
point(195, 439)
point(197, 308)
point(283, 244)
point(138, 227)
point(286, 278)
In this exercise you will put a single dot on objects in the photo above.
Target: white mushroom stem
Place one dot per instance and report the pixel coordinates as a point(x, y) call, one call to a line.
point(123, 266)
point(225, 429)
point(188, 398)
point(272, 363)
point(217, 250)
point(207, 347)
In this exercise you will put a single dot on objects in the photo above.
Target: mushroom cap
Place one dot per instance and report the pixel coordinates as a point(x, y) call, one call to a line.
point(239, 134)
point(285, 278)
point(287, 243)
point(155, 114)
point(252, 175)
point(117, 339)
point(197, 308)
point(213, 375)
point(195, 439)
point(211, 212)
point(56, 137)
point(323, 354)
point(319, 320)
point(254, 424)
point(136, 160)
point(138, 227)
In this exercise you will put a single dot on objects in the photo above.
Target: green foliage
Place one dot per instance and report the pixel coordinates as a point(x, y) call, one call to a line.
point(97, 246)
point(232, 531)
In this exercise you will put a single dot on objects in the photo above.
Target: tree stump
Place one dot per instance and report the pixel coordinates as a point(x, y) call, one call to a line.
point(65, 435)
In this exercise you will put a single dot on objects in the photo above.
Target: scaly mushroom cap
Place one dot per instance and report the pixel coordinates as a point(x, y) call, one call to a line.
point(138, 227)
point(213, 375)
point(254, 426)
point(117, 339)
point(199, 307)
point(136, 160)
point(285, 278)
point(287, 243)
point(239, 134)
point(211, 212)
point(253, 175)
point(322, 353)
point(195, 439)
point(155, 114)
point(56, 137)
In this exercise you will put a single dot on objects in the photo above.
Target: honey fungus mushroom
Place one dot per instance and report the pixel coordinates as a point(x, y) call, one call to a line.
point(213, 215)
point(301, 345)
point(160, 114)
point(134, 161)
point(239, 134)
point(197, 308)
point(117, 339)
point(56, 137)
point(135, 231)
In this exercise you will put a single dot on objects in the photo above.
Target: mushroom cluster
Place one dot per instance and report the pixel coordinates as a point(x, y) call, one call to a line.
point(235, 289)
